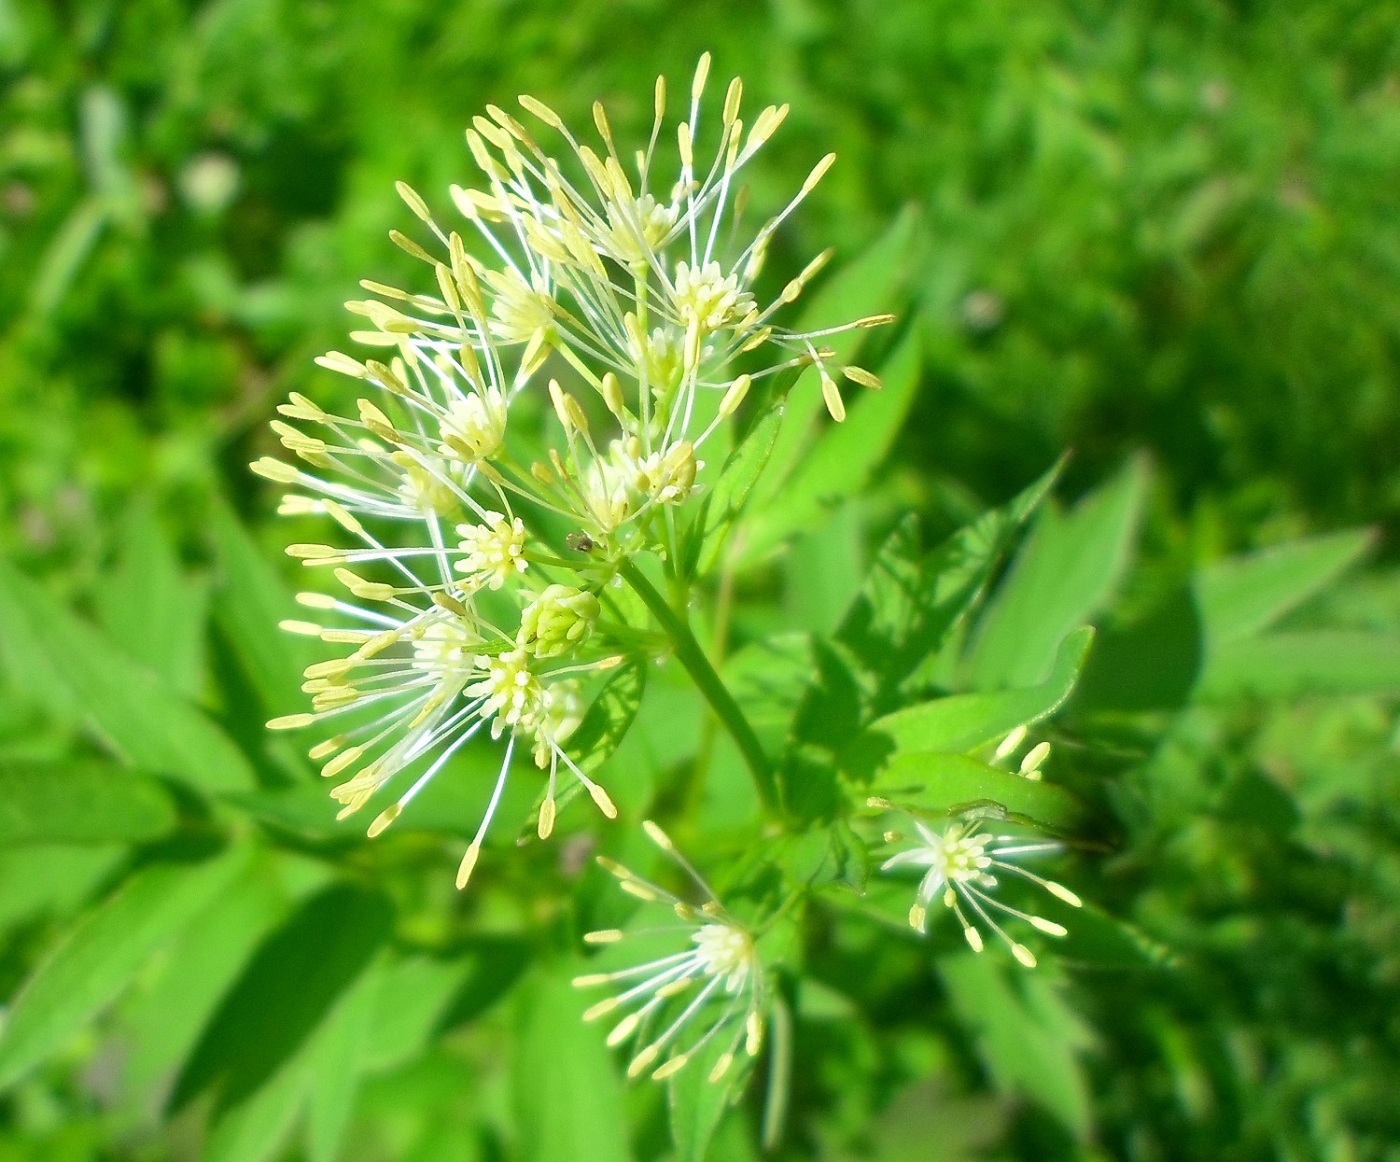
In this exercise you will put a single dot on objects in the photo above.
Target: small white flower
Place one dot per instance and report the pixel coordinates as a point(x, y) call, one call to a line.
point(494, 550)
point(708, 299)
point(712, 988)
point(474, 426)
point(962, 864)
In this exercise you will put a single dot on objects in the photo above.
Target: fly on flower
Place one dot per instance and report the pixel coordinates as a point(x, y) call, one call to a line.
point(710, 991)
point(961, 865)
point(621, 291)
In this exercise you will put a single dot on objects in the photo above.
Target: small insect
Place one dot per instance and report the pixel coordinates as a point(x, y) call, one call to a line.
point(579, 542)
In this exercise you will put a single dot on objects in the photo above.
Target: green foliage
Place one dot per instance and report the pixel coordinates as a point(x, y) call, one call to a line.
point(1160, 237)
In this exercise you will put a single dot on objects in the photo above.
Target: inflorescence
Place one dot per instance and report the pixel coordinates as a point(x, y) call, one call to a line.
point(618, 290)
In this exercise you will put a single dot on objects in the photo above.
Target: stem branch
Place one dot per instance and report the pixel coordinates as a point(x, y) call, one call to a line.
point(697, 665)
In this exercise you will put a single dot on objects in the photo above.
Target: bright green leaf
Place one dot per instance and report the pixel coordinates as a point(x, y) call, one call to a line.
point(1243, 595)
point(262, 1022)
point(82, 676)
point(871, 283)
point(81, 802)
point(1065, 573)
point(964, 722)
point(1288, 664)
point(101, 954)
point(840, 463)
point(151, 608)
point(568, 1101)
point(1026, 1032)
point(251, 601)
point(944, 783)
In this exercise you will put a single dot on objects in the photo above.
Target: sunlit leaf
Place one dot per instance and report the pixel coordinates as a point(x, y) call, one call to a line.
point(261, 1023)
point(1065, 573)
point(101, 954)
point(567, 1099)
point(81, 802)
point(81, 676)
point(943, 783)
point(963, 722)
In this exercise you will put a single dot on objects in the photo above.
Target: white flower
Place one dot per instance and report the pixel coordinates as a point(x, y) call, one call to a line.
point(474, 426)
point(494, 549)
point(712, 989)
point(706, 299)
point(962, 864)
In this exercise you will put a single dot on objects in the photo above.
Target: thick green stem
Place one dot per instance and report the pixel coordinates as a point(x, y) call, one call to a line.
point(697, 665)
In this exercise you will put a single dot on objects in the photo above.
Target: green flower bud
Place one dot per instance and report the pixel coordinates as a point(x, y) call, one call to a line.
point(557, 620)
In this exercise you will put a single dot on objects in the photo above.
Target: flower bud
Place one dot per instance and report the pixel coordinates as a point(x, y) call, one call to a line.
point(557, 620)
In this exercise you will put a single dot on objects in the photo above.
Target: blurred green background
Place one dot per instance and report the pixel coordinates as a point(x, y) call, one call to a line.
point(1127, 227)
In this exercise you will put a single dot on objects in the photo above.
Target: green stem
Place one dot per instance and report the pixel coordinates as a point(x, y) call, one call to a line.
point(697, 665)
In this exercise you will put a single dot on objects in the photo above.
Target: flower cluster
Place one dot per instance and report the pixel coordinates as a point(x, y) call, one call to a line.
point(712, 990)
point(618, 291)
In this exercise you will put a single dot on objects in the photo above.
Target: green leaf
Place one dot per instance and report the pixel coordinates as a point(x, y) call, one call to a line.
point(567, 1099)
point(51, 880)
point(908, 605)
point(81, 676)
point(161, 1018)
point(952, 784)
point(257, 1129)
point(413, 1000)
point(1293, 663)
point(1150, 664)
point(1065, 573)
point(729, 496)
point(609, 716)
point(871, 284)
point(1026, 1033)
point(964, 722)
point(336, 1060)
point(841, 462)
point(251, 601)
point(102, 953)
point(697, 1105)
point(262, 1022)
point(150, 607)
point(496, 964)
point(1242, 595)
point(906, 610)
point(81, 802)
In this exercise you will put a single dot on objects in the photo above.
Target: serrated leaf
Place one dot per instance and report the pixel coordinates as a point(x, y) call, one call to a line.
point(907, 608)
point(262, 1022)
point(963, 722)
point(80, 675)
point(944, 783)
point(151, 608)
point(567, 1099)
point(101, 954)
point(609, 716)
point(81, 802)
point(1065, 573)
point(840, 463)
point(724, 503)
point(1242, 595)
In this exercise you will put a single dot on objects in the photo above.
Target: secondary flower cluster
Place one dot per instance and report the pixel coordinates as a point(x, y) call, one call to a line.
point(713, 990)
point(475, 587)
